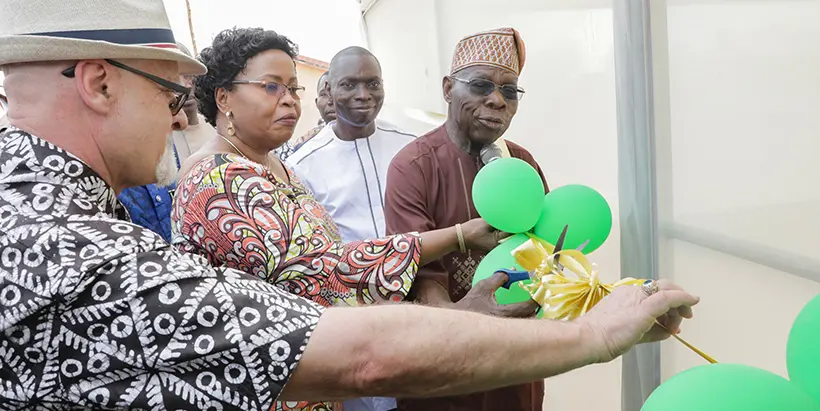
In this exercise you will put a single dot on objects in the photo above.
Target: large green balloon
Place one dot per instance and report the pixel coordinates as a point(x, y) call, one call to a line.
point(729, 387)
point(499, 258)
point(582, 208)
point(803, 349)
point(508, 194)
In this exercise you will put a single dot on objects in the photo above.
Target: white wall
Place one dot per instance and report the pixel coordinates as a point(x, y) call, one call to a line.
point(404, 37)
point(567, 118)
point(741, 161)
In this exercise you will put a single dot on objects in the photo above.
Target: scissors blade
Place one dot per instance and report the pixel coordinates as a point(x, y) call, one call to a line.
point(579, 248)
point(559, 245)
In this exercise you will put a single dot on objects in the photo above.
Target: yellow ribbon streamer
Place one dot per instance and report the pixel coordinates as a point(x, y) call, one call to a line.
point(566, 298)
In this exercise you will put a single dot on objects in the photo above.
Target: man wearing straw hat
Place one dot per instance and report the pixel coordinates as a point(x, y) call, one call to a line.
point(97, 312)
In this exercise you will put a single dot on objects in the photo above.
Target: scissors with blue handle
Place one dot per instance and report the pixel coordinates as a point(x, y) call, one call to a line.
point(515, 276)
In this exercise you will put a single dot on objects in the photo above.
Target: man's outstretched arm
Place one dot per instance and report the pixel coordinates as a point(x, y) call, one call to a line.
point(414, 351)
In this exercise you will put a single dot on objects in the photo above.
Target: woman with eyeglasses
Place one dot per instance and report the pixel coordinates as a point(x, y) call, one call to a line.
point(238, 205)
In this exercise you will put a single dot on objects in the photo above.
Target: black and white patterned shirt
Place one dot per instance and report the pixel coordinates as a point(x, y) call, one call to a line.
point(97, 312)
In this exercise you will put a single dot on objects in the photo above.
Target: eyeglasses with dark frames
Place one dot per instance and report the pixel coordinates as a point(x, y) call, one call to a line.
point(181, 93)
point(275, 89)
point(484, 87)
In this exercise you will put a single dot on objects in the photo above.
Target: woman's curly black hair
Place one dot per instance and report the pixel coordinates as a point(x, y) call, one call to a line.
point(228, 56)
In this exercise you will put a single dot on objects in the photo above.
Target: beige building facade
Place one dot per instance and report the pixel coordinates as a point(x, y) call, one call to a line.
point(308, 70)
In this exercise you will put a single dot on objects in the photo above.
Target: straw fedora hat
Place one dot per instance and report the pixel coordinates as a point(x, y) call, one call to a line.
point(57, 30)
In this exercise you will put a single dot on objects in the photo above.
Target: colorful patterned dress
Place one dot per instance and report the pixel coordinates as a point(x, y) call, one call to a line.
point(237, 213)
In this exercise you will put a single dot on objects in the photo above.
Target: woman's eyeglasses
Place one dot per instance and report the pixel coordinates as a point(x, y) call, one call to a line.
point(276, 89)
point(483, 88)
point(181, 93)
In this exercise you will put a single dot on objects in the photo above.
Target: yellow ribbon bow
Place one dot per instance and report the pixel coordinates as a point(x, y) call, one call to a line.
point(564, 298)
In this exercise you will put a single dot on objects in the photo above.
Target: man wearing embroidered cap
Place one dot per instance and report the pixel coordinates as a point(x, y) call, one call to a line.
point(429, 185)
point(99, 313)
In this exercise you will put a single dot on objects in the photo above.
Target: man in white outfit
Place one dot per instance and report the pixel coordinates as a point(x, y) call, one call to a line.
point(346, 164)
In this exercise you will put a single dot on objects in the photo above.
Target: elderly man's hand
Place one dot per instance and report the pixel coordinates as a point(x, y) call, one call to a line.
point(480, 236)
point(481, 298)
point(627, 317)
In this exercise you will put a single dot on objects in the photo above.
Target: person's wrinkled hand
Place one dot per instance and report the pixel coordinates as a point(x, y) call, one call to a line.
point(480, 236)
point(627, 317)
point(481, 298)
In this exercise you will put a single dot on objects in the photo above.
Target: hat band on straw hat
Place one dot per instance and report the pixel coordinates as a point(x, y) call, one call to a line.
point(150, 37)
point(74, 30)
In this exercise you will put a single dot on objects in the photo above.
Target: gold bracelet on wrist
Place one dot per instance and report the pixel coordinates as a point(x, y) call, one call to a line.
point(461, 245)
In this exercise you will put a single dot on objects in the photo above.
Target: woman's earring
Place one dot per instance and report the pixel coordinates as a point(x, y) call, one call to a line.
point(231, 129)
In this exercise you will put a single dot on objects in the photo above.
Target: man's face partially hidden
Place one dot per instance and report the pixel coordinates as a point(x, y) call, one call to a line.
point(325, 105)
point(190, 106)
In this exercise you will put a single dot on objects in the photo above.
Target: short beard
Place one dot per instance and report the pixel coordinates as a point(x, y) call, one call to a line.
point(166, 172)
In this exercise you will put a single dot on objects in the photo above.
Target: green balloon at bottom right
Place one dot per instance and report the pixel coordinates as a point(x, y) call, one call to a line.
point(803, 349)
point(729, 387)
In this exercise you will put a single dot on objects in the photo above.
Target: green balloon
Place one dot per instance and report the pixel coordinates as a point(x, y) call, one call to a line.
point(508, 193)
point(582, 208)
point(729, 387)
point(501, 257)
point(803, 349)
